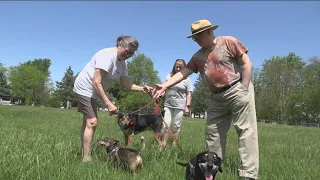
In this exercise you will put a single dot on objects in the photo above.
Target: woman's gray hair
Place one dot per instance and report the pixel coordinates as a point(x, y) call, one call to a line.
point(127, 41)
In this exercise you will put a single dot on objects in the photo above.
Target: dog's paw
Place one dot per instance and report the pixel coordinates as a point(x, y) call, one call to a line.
point(161, 148)
point(86, 160)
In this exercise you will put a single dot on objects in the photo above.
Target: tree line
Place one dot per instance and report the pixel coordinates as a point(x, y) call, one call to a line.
point(286, 87)
point(30, 83)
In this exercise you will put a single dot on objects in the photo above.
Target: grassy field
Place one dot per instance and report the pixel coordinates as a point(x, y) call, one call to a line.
point(43, 143)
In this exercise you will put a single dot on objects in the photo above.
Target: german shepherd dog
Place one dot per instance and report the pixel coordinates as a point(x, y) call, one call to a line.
point(133, 124)
point(204, 166)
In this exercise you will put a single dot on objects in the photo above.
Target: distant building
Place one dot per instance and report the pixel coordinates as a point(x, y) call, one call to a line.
point(4, 98)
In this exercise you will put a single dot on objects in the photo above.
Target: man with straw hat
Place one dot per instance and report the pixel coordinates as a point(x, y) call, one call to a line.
point(226, 70)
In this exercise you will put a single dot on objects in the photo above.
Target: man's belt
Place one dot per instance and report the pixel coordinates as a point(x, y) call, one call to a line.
point(224, 88)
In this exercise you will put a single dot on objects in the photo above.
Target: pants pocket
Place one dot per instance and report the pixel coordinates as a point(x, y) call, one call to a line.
point(244, 86)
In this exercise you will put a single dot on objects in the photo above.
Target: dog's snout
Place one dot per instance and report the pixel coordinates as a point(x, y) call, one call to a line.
point(101, 143)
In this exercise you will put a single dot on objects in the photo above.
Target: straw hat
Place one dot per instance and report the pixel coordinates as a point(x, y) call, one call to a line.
point(200, 26)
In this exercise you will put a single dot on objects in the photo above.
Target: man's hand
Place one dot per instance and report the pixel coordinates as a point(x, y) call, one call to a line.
point(112, 108)
point(246, 69)
point(158, 91)
point(127, 83)
point(147, 89)
point(186, 110)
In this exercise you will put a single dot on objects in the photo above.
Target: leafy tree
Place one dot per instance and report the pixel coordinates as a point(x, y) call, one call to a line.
point(200, 96)
point(41, 92)
point(64, 89)
point(41, 64)
point(280, 82)
point(4, 86)
point(53, 101)
point(255, 79)
point(141, 72)
point(309, 94)
point(24, 79)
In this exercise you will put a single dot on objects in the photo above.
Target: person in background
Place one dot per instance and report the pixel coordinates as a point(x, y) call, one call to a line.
point(177, 101)
point(226, 69)
point(105, 67)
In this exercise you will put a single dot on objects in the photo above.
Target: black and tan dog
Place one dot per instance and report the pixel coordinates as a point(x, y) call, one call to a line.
point(204, 166)
point(133, 124)
point(123, 157)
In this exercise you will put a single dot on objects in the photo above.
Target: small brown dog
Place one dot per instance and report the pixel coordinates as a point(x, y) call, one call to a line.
point(133, 124)
point(123, 157)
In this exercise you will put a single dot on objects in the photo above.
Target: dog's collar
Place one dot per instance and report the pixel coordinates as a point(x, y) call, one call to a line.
point(109, 150)
point(115, 150)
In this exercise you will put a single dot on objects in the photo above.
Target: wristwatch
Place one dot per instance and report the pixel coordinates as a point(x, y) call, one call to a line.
point(188, 106)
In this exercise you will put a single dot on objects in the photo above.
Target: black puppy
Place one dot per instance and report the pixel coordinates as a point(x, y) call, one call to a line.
point(204, 166)
point(132, 124)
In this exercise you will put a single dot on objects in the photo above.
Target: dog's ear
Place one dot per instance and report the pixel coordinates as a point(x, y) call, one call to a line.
point(133, 116)
point(120, 115)
point(114, 141)
point(202, 157)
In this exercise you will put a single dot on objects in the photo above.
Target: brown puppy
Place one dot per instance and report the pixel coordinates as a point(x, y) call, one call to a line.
point(133, 124)
point(123, 157)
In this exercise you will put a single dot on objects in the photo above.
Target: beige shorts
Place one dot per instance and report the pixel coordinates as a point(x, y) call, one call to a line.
point(87, 106)
point(173, 114)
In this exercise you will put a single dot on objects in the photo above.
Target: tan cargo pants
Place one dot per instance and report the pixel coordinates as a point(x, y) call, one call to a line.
point(237, 104)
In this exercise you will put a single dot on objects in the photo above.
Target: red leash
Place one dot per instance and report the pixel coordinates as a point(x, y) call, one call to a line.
point(157, 109)
point(140, 108)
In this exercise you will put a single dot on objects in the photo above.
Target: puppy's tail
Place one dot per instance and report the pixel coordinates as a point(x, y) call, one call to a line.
point(182, 164)
point(143, 145)
point(163, 128)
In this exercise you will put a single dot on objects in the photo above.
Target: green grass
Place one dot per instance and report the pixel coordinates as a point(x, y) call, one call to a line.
point(43, 143)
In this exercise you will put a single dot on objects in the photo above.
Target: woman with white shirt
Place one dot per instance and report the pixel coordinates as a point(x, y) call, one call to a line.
point(105, 67)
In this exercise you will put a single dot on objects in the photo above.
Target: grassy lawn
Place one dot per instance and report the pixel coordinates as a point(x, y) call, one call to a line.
point(43, 143)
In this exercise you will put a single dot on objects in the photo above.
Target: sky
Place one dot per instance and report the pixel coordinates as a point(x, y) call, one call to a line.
point(70, 32)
